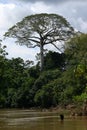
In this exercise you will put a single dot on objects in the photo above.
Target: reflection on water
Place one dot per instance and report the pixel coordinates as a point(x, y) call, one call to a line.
point(32, 120)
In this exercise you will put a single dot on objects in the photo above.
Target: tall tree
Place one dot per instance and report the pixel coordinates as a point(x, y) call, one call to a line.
point(39, 30)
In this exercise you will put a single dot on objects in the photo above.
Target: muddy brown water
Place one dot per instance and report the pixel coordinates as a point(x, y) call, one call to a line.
point(34, 120)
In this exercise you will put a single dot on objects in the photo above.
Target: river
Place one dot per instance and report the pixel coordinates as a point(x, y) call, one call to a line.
point(34, 120)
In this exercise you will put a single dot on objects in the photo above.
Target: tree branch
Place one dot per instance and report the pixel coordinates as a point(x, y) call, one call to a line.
point(56, 47)
point(33, 46)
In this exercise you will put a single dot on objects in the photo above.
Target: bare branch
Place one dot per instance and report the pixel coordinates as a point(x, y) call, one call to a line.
point(34, 46)
point(57, 47)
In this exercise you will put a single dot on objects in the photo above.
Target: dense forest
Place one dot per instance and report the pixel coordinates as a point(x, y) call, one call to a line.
point(63, 80)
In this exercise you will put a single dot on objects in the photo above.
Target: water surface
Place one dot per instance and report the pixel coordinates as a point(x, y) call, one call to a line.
point(33, 120)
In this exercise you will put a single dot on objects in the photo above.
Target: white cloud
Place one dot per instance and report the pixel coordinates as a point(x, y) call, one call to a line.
point(6, 14)
point(40, 7)
point(11, 13)
point(82, 24)
point(74, 11)
point(5, 21)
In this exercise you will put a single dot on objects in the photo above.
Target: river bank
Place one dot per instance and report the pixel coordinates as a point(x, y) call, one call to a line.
point(70, 110)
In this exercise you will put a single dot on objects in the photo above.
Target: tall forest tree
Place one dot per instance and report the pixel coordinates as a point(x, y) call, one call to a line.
point(39, 30)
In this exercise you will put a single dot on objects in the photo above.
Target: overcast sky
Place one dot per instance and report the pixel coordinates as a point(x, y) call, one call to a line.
point(12, 11)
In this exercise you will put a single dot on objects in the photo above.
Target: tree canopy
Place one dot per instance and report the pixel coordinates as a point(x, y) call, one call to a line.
point(39, 30)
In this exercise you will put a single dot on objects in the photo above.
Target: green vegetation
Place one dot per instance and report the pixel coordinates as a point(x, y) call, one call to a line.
point(59, 79)
point(63, 81)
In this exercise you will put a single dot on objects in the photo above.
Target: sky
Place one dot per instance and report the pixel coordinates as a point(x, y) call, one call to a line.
point(13, 11)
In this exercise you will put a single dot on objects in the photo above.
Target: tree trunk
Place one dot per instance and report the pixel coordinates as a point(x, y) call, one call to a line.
point(42, 57)
point(85, 108)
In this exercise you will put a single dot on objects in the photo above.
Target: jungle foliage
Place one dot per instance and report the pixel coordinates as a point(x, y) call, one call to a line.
point(63, 81)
